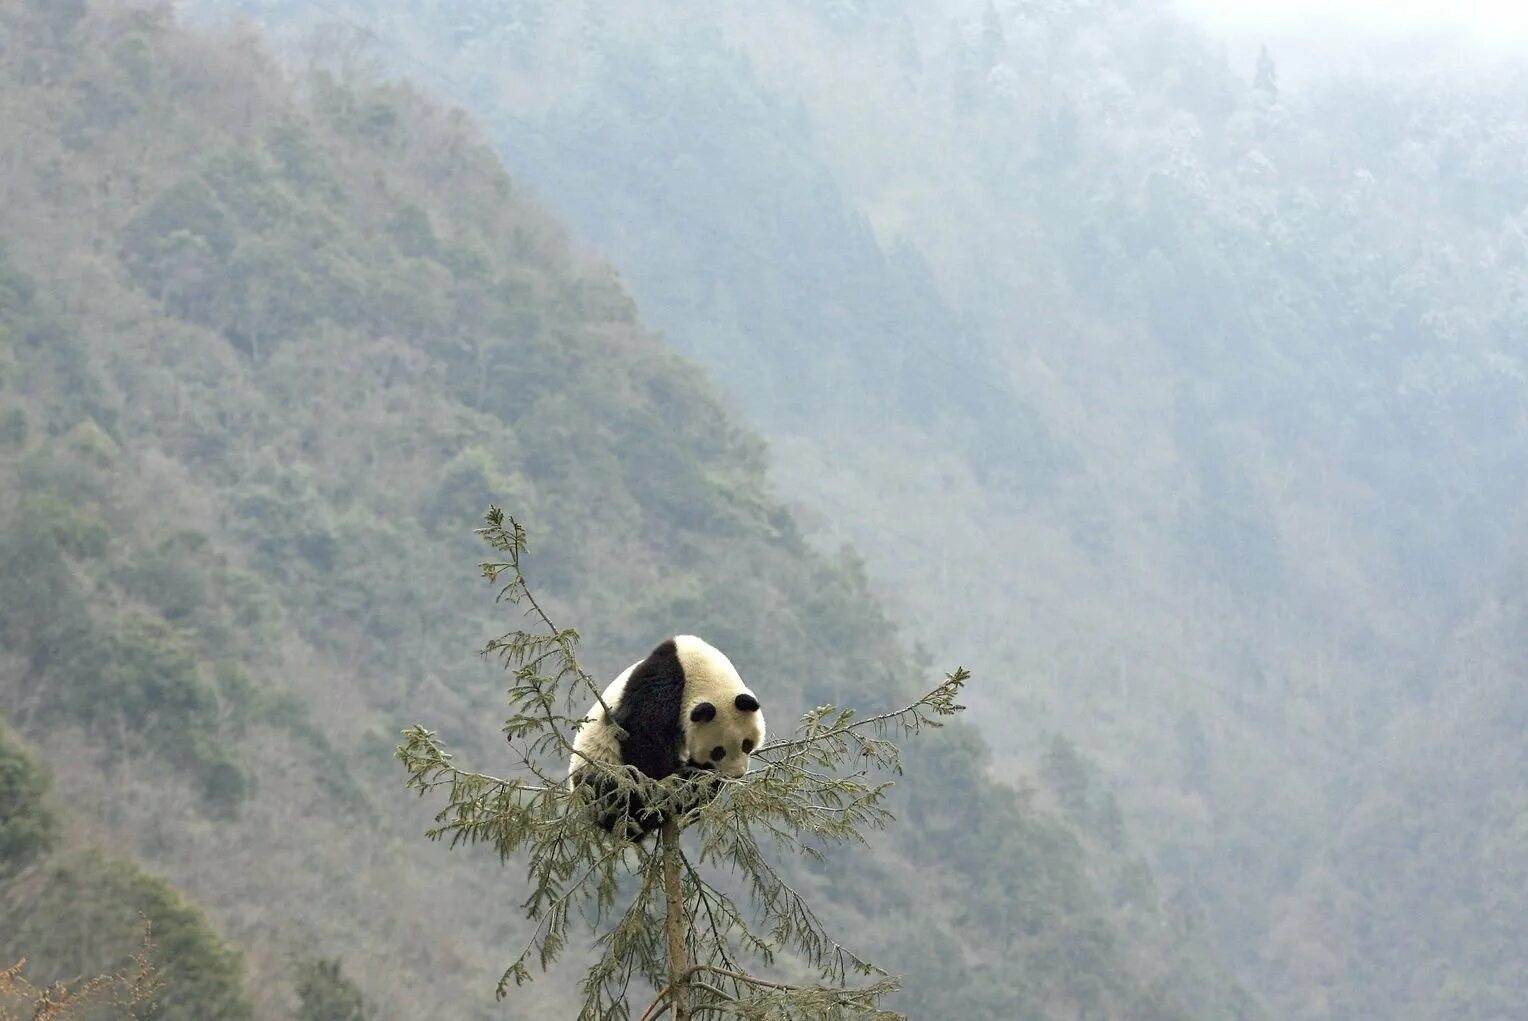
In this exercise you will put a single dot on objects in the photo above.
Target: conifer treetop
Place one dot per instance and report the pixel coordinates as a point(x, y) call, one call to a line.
point(740, 918)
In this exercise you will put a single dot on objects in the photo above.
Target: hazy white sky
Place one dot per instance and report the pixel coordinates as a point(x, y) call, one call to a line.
point(1486, 19)
point(1312, 36)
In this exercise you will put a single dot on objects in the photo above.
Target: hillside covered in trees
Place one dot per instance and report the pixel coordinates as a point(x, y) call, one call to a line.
point(270, 342)
point(1191, 402)
point(75, 912)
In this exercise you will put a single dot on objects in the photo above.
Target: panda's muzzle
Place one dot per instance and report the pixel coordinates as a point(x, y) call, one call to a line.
point(717, 768)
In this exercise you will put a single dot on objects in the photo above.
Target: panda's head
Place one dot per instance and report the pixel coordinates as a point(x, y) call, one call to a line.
point(722, 722)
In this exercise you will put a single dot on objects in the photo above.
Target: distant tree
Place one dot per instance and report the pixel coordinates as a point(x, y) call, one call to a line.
point(326, 993)
point(1193, 752)
point(682, 931)
point(994, 44)
point(1266, 78)
point(1057, 133)
point(1066, 772)
point(595, 29)
point(127, 992)
point(83, 913)
point(967, 72)
point(1109, 822)
point(60, 16)
point(28, 827)
point(909, 55)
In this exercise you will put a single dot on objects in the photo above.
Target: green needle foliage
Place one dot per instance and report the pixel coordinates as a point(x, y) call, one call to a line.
point(723, 910)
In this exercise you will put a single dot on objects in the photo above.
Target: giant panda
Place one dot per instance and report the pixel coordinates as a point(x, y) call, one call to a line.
point(684, 709)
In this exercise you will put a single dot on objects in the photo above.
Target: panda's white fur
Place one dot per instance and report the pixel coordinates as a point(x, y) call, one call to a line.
point(684, 708)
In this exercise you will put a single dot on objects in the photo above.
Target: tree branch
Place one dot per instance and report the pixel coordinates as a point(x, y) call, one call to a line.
point(676, 925)
point(950, 684)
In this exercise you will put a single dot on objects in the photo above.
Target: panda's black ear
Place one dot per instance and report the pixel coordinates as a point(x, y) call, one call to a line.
point(747, 703)
point(703, 713)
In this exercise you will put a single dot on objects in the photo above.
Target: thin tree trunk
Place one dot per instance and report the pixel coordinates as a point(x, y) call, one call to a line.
point(676, 924)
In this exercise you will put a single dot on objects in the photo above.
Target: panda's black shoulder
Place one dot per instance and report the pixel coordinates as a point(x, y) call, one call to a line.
point(649, 711)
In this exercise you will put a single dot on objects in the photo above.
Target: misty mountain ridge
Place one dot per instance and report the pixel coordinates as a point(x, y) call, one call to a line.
point(269, 345)
point(1178, 396)
point(1223, 373)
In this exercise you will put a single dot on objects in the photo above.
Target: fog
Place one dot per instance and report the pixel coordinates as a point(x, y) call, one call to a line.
point(1487, 21)
point(1310, 38)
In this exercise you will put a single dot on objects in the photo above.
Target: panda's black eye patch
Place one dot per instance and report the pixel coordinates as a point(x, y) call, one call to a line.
point(747, 703)
point(718, 753)
point(747, 745)
point(703, 713)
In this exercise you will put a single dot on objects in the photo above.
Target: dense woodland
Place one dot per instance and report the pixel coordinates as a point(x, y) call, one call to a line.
point(271, 339)
point(1190, 403)
point(1184, 406)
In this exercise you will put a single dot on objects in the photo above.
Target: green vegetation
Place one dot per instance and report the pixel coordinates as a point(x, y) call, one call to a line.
point(1185, 395)
point(28, 825)
point(683, 929)
point(325, 993)
point(274, 343)
point(72, 911)
point(127, 992)
point(82, 915)
point(114, 632)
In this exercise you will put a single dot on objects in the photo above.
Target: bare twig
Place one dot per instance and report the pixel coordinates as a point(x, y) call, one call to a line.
point(944, 707)
point(516, 546)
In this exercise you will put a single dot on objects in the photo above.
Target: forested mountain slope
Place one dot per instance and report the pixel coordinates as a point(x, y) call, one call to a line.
point(1193, 405)
point(1423, 897)
point(73, 912)
point(267, 350)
